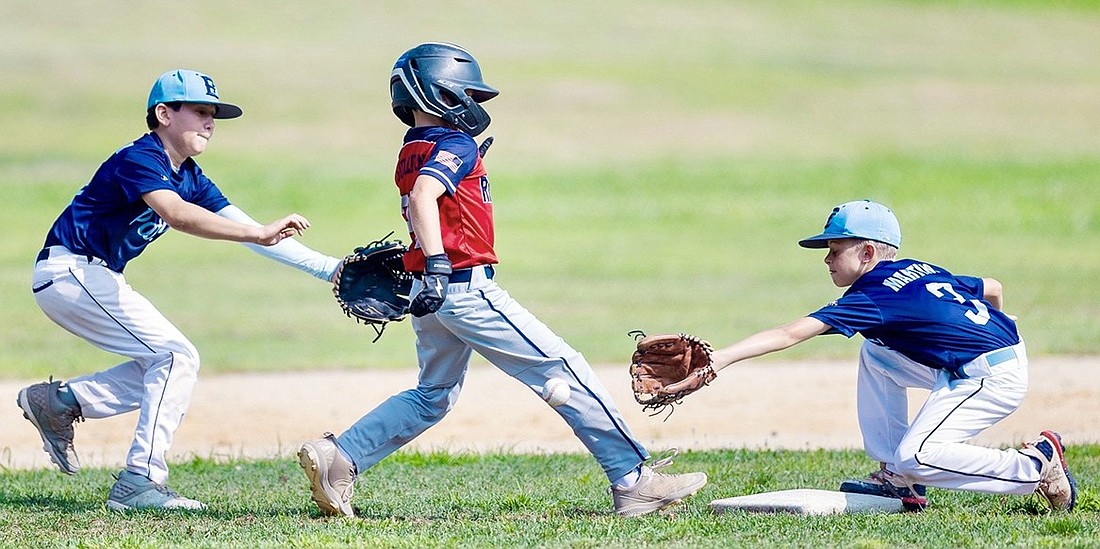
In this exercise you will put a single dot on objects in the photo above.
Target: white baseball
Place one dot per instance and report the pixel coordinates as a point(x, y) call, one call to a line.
point(556, 391)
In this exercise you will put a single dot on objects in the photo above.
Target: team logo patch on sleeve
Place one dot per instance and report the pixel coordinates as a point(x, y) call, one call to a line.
point(447, 159)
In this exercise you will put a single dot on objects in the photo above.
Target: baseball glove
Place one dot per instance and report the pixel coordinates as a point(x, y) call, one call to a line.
point(372, 286)
point(668, 367)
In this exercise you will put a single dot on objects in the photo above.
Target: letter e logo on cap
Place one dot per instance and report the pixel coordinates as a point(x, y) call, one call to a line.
point(211, 90)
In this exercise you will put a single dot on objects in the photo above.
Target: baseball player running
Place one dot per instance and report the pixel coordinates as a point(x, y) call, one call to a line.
point(458, 308)
point(927, 328)
point(137, 194)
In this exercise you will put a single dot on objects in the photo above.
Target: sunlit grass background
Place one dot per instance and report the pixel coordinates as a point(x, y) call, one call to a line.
point(654, 165)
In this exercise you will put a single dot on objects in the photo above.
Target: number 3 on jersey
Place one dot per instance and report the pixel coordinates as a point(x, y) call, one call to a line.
point(942, 289)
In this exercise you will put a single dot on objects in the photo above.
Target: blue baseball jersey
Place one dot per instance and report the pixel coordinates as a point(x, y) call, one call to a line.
point(109, 219)
point(923, 312)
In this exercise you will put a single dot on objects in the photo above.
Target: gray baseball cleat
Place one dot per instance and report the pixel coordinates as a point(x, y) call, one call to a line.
point(656, 491)
point(331, 476)
point(1056, 484)
point(133, 491)
point(54, 421)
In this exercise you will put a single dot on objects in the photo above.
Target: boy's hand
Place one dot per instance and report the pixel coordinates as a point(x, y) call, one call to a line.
point(437, 273)
point(276, 231)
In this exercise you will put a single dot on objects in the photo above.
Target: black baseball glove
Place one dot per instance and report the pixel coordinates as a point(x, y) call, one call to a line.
point(372, 286)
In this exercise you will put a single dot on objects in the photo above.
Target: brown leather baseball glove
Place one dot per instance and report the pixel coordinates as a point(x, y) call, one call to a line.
point(668, 367)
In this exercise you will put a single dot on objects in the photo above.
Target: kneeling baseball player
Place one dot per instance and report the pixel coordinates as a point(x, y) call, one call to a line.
point(926, 328)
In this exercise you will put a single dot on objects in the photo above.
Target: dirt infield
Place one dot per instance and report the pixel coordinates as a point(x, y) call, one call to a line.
point(797, 405)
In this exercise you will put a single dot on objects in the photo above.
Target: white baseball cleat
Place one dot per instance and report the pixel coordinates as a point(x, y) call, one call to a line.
point(655, 491)
point(331, 476)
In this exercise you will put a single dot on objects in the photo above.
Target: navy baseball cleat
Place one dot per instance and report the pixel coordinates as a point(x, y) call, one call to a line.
point(885, 483)
point(1056, 484)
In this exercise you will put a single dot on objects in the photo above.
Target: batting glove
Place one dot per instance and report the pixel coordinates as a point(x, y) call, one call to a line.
point(437, 273)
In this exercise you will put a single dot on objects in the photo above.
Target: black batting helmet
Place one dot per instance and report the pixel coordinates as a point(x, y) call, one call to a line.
point(441, 79)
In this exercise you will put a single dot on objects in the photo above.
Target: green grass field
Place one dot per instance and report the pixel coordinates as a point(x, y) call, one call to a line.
point(419, 500)
point(655, 163)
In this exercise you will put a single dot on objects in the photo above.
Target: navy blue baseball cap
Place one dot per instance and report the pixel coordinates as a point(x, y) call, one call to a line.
point(190, 87)
point(859, 219)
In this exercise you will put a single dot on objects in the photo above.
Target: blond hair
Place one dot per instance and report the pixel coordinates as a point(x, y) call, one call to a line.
point(883, 250)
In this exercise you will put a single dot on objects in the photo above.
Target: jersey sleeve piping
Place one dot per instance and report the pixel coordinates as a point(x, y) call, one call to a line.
point(441, 177)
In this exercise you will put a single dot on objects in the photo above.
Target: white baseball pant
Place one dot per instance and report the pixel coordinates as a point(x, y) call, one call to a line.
point(932, 449)
point(86, 298)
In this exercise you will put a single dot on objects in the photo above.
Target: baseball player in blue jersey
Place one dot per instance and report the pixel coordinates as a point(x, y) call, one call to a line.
point(459, 308)
point(923, 327)
point(137, 194)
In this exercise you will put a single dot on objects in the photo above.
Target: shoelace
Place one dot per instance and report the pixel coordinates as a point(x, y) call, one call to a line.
point(76, 417)
point(660, 463)
point(164, 489)
point(887, 477)
point(68, 418)
point(665, 460)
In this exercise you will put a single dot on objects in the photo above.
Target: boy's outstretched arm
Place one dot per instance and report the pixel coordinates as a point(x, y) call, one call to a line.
point(769, 341)
point(197, 221)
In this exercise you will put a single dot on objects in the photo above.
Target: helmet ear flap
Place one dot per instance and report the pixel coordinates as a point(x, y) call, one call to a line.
point(405, 115)
point(472, 120)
